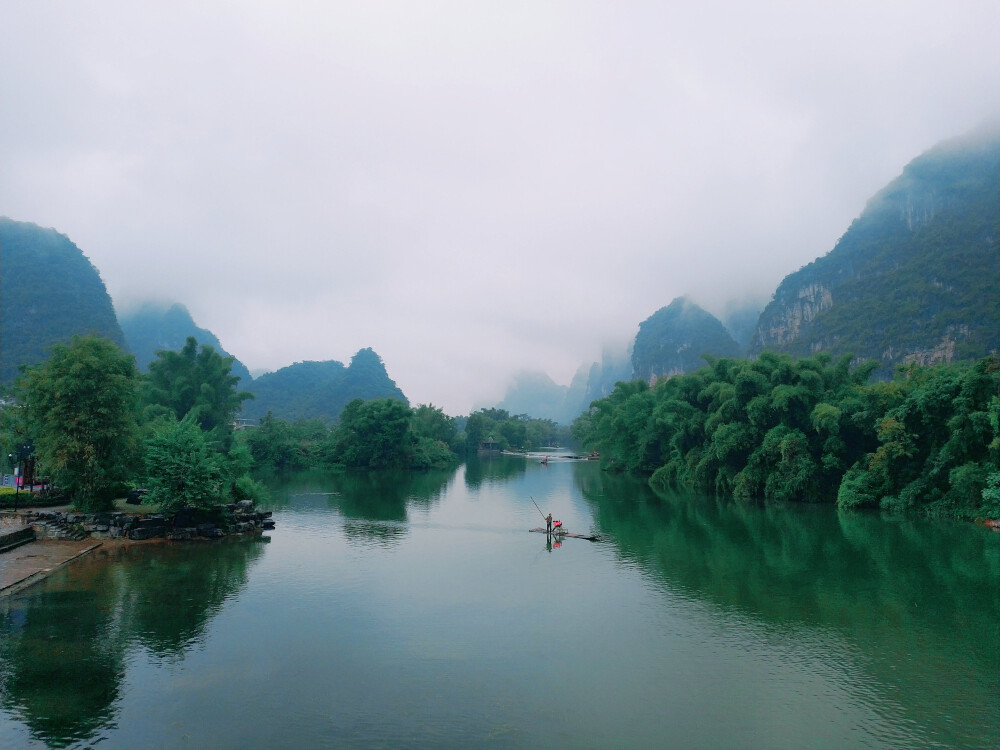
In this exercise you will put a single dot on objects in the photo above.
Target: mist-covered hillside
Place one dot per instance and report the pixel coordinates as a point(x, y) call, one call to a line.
point(674, 339)
point(320, 390)
point(537, 395)
point(740, 319)
point(49, 291)
point(916, 277)
point(153, 327)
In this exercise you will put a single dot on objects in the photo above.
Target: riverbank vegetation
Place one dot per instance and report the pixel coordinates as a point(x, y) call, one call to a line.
point(811, 430)
point(97, 427)
point(385, 433)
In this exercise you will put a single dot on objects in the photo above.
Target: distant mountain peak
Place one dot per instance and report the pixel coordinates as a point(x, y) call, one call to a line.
point(914, 278)
point(49, 292)
point(320, 390)
point(156, 326)
point(674, 339)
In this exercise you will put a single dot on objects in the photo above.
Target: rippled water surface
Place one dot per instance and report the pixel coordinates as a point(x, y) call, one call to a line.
point(417, 611)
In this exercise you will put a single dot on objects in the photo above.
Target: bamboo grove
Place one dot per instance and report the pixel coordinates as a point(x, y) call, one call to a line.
point(811, 430)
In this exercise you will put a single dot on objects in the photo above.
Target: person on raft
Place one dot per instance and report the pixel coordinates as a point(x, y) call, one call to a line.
point(548, 524)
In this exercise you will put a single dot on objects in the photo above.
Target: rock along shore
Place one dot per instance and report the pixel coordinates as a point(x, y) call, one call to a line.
point(188, 523)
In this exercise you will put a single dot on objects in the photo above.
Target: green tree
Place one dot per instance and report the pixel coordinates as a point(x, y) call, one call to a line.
point(181, 468)
point(430, 421)
point(476, 427)
point(375, 434)
point(938, 443)
point(195, 382)
point(279, 446)
point(809, 430)
point(434, 433)
point(80, 408)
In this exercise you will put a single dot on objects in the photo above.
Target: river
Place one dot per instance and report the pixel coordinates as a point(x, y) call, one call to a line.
point(415, 611)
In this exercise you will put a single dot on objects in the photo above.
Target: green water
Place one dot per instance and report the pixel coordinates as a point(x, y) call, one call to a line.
point(418, 612)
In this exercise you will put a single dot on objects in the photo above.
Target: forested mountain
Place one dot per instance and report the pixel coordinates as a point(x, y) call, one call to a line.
point(916, 277)
point(320, 390)
point(674, 338)
point(49, 291)
point(154, 327)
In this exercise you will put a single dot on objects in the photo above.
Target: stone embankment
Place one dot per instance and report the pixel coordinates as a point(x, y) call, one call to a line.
point(235, 518)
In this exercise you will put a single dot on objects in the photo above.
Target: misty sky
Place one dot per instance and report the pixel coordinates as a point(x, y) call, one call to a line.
point(469, 188)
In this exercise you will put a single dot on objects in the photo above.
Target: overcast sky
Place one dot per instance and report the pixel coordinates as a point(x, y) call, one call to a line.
point(469, 188)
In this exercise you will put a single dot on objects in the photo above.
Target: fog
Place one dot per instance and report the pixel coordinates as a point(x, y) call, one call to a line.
point(471, 189)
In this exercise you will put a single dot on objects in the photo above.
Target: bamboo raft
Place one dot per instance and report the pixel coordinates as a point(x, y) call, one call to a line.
point(560, 533)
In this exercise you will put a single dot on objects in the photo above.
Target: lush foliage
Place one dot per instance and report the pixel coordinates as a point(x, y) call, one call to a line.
point(83, 412)
point(374, 434)
point(152, 328)
point(811, 430)
point(181, 468)
point(506, 431)
point(49, 292)
point(277, 446)
point(194, 383)
point(385, 434)
point(79, 407)
point(381, 433)
point(938, 445)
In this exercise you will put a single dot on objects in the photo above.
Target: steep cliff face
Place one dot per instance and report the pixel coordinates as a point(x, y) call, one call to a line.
point(802, 309)
point(915, 278)
point(674, 339)
point(49, 291)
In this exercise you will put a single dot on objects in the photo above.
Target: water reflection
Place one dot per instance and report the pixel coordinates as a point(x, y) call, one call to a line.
point(919, 599)
point(695, 623)
point(493, 467)
point(63, 645)
point(375, 506)
point(59, 667)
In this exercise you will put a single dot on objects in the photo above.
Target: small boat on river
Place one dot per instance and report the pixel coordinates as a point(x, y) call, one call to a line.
point(561, 534)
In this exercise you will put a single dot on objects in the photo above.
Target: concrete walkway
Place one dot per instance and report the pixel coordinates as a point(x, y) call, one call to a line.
point(30, 563)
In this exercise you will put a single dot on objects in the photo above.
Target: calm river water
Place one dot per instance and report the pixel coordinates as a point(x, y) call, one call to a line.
point(418, 612)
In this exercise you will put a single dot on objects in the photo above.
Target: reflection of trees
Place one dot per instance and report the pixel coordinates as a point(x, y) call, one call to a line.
point(919, 599)
point(374, 504)
point(170, 594)
point(492, 467)
point(61, 663)
point(63, 643)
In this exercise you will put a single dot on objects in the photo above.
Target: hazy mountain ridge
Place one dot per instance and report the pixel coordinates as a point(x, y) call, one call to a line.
point(49, 291)
point(915, 276)
point(675, 338)
point(153, 327)
point(534, 393)
point(320, 390)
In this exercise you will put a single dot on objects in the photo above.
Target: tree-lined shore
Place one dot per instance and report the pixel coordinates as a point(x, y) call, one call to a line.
point(812, 430)
point(97, 428)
